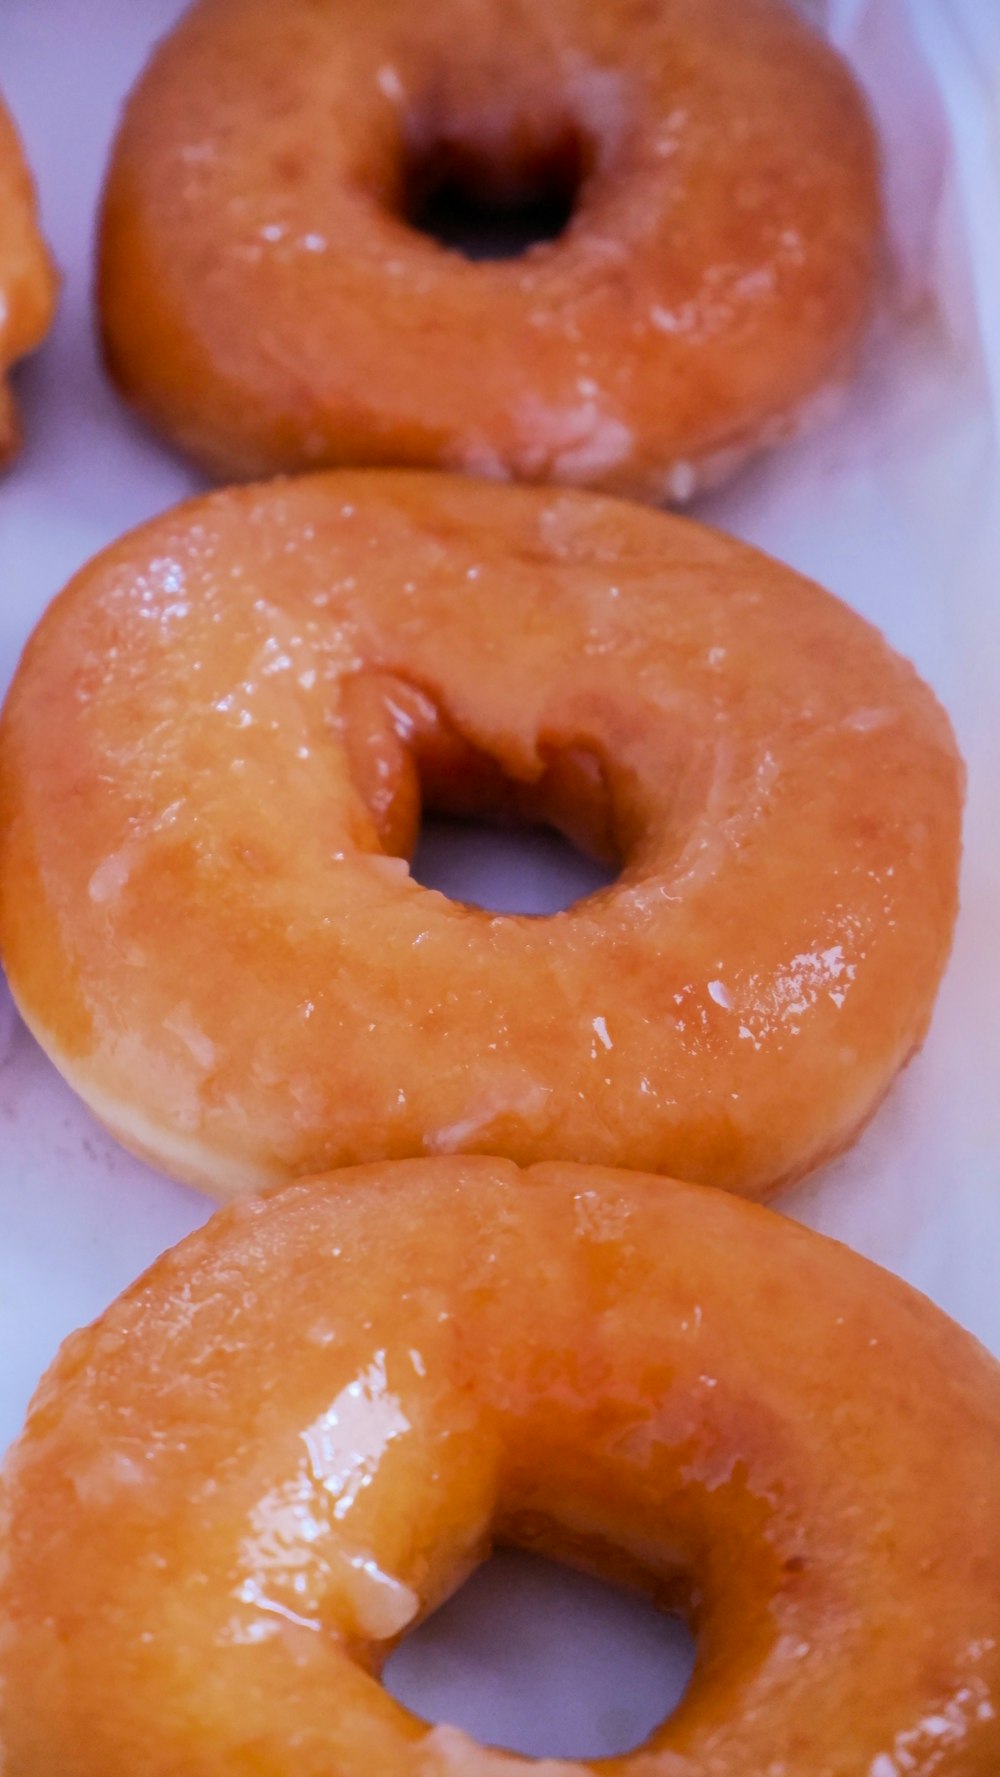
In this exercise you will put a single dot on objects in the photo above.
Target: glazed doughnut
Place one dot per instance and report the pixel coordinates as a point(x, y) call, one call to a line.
point(269, 304)
point(27, 278)
point(301, 1430)
point(212, 762)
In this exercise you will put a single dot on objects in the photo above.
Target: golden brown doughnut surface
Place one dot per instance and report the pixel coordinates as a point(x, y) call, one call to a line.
point(268, 304)
point(27, 278)
point(300, 1431)
point(212, 762)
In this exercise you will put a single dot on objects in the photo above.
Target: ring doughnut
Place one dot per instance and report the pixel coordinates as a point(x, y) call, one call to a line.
point(206, 913)
point(269, 304)
point(301, 1430)
point(27, 278)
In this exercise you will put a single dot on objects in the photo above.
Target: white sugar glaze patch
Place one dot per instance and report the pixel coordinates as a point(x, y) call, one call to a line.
point(512, 1097)
point(570, 443)
point(893, 501)
point(940, 1735)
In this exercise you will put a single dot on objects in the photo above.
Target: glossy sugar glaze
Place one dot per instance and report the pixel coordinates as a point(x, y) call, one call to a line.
point(27, 277)
point(299, 1432)
point(212, 762)
point(267, 303)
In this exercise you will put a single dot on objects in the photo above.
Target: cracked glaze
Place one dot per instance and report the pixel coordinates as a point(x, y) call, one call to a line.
point(297, 1435)
point(206, 911)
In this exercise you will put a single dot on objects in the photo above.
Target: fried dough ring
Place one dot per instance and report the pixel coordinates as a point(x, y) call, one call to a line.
point(212, 763)
point(268, 305)
point(27, 278)
point(299, 1432)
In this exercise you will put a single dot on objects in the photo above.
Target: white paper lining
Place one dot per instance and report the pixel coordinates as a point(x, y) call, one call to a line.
point(895, 505)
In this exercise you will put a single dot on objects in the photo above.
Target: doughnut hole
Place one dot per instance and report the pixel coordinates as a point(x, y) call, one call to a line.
point(541, 1660)
point(493, 196)
point(523, 870)
point(409, 760)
